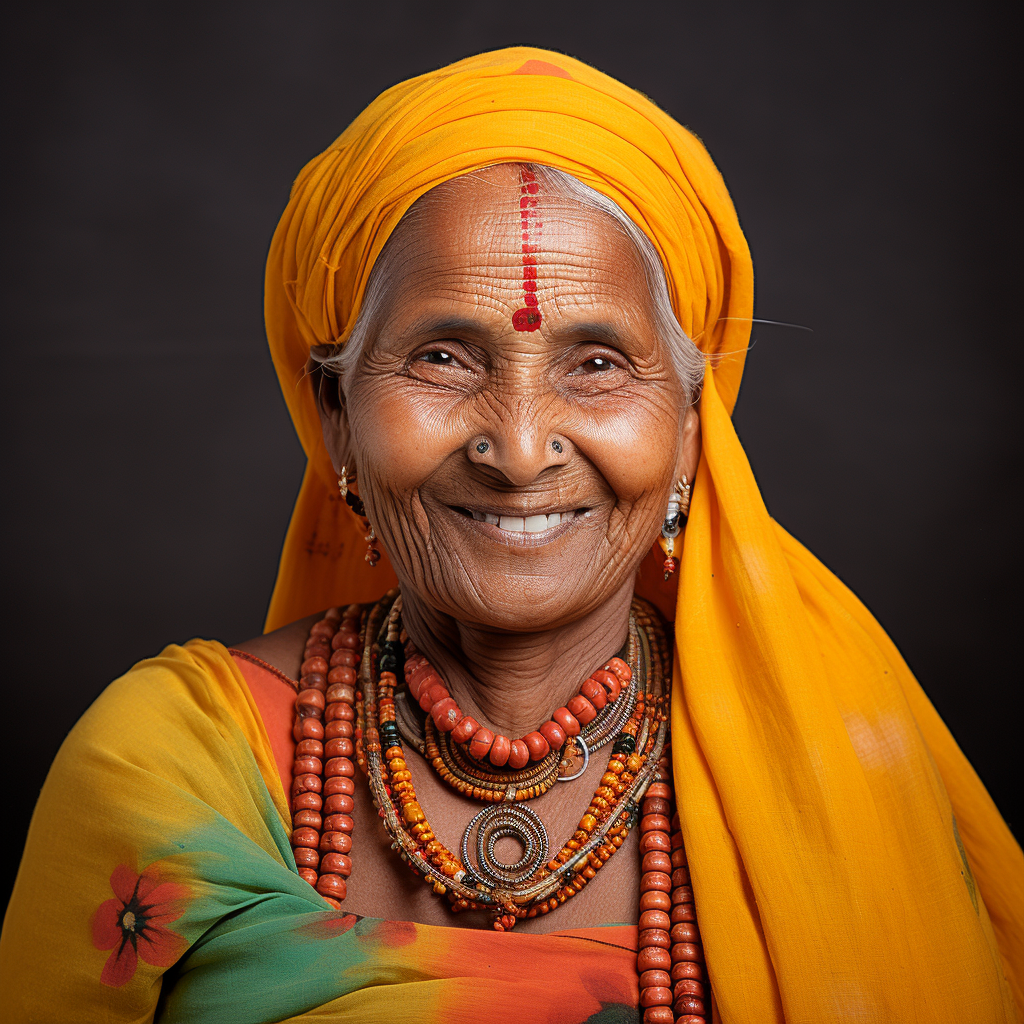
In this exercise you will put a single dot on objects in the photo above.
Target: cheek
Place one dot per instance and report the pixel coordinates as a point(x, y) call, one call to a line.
point(634, 446)
point(401, 437)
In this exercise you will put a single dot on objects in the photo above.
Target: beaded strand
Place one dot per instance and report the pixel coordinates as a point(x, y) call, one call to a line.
point(670, 955)
point(426, 688)
point(489, 787)
point(480, 781)
point(670, 958)
point(323, 793)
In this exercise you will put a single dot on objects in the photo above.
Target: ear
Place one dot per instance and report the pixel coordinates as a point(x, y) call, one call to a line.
point(330, 404)
point(689, 449)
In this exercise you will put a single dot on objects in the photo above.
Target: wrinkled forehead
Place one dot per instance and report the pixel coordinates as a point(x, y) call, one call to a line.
point(505, 204)
point(518, 233)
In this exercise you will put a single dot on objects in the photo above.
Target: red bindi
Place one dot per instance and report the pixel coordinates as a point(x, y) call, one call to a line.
point(528, 318)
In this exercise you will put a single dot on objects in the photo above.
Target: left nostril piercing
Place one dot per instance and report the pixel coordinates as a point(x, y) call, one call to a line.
point(557, 445)
point(482, 447)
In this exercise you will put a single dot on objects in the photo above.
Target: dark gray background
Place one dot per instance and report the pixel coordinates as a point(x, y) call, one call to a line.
point(148, 461)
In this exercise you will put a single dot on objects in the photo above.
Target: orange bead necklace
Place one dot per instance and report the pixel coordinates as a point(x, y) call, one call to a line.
point(323, 774)
point(424, 685)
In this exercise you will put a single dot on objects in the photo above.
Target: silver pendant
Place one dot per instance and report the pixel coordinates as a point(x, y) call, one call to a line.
point(498, 821)
point(575, 759)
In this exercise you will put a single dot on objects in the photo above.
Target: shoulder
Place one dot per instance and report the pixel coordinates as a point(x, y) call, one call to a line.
point(283, 647)
point(187, 698)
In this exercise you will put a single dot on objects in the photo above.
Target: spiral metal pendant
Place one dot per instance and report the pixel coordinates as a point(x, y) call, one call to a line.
point(506, 820)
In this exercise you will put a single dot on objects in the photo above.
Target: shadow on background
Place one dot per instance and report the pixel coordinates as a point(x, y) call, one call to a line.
point(149, 463)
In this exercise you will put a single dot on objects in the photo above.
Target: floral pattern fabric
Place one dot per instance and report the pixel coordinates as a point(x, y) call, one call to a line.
point(133, 924)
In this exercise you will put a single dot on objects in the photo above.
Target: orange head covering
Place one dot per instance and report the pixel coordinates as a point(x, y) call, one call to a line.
point(512, 105)
point(819, 792)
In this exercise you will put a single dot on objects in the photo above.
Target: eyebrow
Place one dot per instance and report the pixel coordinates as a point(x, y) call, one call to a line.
point(460, 325)
point(445, 325)
point(593, 330)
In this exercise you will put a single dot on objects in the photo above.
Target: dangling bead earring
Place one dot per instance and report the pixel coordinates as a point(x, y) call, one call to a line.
point(372, 552)
point(355, 503)
point(678, 508)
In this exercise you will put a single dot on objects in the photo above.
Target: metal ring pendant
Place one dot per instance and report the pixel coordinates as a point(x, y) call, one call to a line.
point(586, 761)
point(507, 820)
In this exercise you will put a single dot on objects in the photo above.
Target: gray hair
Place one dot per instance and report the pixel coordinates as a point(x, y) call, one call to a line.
point(687, 359)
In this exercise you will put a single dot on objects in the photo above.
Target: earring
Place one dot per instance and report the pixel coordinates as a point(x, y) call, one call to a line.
point(684, 493)
point(678, 508)
point(355, 503)
point(372, 552)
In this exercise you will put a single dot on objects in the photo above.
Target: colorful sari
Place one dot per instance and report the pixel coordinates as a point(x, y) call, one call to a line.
point(158, 879)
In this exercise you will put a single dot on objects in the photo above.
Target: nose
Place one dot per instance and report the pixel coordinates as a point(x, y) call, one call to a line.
point(520, 448)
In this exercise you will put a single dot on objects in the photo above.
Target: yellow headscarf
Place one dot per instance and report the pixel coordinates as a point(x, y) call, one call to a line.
point(847, 862)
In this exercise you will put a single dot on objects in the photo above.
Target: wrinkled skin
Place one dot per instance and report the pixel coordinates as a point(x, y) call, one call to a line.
point(514, 622)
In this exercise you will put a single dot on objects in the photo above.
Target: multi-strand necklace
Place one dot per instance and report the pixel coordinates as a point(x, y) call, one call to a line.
point(352, 709)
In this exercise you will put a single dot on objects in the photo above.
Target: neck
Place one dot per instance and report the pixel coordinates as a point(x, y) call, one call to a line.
point(511, 682)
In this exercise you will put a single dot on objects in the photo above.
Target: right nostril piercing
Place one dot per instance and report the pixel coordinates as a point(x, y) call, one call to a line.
point(482, 447)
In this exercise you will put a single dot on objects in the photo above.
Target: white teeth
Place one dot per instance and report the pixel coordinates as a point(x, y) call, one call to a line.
point(524, 524)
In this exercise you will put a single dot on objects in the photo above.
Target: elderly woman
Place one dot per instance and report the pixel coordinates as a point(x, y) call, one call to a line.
point(508, 308)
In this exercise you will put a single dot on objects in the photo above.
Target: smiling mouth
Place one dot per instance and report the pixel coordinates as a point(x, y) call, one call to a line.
point(533, 524)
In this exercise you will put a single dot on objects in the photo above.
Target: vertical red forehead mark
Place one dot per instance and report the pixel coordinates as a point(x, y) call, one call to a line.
point(528, 318)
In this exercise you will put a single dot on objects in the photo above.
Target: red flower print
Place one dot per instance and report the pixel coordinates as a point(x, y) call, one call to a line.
point(132, 925)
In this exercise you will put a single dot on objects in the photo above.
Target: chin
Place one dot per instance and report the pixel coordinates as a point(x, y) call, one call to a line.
point(511, 592)
point(524, 604)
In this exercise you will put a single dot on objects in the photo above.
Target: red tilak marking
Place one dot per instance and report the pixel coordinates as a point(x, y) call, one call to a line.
point(528, 318)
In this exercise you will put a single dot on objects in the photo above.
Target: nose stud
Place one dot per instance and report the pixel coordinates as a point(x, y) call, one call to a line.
point(557, 445)
point(483, 447)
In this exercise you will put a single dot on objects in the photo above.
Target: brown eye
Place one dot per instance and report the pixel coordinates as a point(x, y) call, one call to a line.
point(439, 358)
point(596, 365)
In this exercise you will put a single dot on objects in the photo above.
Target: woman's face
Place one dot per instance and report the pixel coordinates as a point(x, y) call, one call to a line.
point(516, 469)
